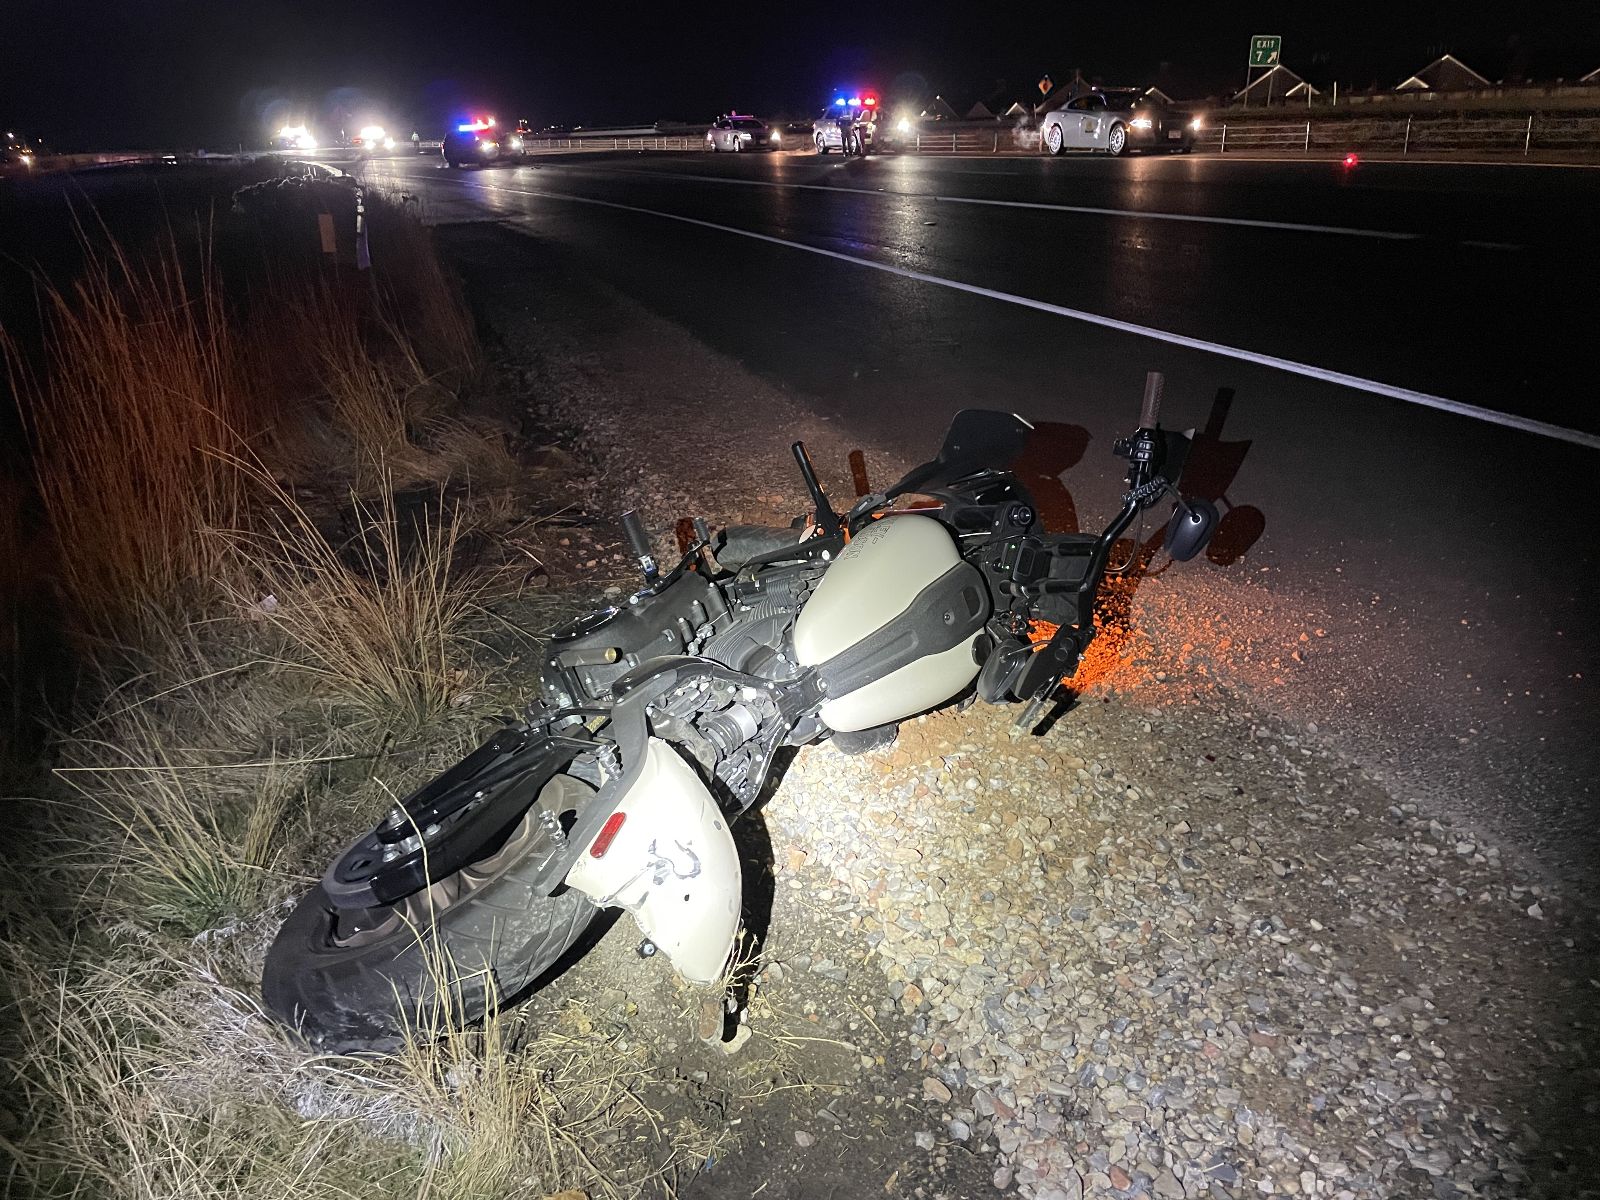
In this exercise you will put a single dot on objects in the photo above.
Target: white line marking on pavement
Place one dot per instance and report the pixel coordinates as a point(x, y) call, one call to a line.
point(1338, 378)
point(1081, 209)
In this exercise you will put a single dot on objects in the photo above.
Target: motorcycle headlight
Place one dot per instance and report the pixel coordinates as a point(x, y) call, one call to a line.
point(1141, 123)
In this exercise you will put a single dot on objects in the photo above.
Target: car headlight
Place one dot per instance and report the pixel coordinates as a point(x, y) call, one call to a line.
point(486, 147)
point(773, 137)
point(516, 143)
point(388, 143)
point(1195, 124)
point(904, 126)
point(1141, 123)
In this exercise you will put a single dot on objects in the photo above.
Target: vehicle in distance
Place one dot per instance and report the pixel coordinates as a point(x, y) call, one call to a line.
point(848, 125)
point(738, 132)
point(1117, 122)
point(479, 142)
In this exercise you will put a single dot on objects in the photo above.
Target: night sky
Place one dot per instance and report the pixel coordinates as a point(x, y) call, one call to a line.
point(187, 73)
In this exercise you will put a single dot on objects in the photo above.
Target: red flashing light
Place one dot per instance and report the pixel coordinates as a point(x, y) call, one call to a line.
point(608, 833)
point(1351, 160)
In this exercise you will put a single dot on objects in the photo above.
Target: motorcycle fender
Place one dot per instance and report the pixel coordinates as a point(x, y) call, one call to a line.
point(671, 863)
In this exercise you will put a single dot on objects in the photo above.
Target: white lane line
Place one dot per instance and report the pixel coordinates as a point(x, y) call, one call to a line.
point(1322, 374)
point(1081, 209)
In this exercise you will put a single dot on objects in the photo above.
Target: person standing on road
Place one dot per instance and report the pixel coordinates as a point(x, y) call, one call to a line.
point(416, 142)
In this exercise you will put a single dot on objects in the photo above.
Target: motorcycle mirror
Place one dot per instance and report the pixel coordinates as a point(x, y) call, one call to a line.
point(1190, 529)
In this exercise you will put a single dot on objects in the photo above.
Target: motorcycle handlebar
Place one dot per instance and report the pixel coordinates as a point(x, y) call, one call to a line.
point(1150, 411)
point(633, 531)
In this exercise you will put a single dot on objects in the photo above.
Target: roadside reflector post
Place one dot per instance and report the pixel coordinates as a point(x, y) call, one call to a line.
point(1306, 149)
point(952, 143)
point(919, 141)
point(996, 149)
point(1527, 138)
point(1405, 147)
point(1224, 147)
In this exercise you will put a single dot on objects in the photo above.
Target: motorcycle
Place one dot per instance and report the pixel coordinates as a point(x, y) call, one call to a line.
point(660, 719)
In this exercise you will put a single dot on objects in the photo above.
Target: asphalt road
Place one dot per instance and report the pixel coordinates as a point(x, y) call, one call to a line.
point(1450, 560)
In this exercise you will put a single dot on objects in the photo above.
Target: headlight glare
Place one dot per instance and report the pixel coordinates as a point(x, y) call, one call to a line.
point(1141, 122)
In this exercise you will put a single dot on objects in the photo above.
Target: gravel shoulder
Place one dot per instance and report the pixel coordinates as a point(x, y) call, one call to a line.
point(1174, 946)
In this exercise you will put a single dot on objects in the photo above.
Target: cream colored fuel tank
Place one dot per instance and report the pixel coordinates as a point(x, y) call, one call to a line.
point(874, 583)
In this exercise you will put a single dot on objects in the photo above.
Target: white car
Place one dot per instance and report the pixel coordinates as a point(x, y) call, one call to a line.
point(735, 132)
point(1117, 122)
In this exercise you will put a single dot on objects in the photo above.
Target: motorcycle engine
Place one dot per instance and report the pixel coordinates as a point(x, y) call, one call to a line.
point(742, 623)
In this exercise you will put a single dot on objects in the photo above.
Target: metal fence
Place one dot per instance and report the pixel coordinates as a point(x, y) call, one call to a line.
point(1523, 135)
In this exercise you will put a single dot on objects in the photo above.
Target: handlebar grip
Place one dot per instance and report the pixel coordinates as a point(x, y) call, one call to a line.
point(1150, 412)
point(633, 531)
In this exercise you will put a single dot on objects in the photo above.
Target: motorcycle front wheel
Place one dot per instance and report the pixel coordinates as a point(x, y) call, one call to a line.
point(365, 981)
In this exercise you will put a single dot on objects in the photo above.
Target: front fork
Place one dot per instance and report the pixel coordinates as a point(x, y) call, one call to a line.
point(1146, 453)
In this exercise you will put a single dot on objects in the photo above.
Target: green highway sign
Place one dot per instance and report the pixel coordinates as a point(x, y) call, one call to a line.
point(1265, 50)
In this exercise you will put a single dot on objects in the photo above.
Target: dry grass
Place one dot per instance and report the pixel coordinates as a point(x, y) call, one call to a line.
point(377, 622)
point(239, 662)
point(139, 395)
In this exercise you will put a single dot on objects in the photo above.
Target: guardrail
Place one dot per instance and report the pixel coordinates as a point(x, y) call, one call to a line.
point(1524, 136)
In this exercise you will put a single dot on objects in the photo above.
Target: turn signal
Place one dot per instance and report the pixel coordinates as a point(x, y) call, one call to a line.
point(608, 833)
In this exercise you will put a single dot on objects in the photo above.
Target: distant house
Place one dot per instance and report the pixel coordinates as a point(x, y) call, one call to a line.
point(1279, 83)
point(1155, 93)
point(1447, 73)
point(1019, 110)
point(979, 112)
point(938, 109)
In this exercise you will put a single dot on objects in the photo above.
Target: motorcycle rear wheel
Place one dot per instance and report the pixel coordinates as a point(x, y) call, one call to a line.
point(365, 982)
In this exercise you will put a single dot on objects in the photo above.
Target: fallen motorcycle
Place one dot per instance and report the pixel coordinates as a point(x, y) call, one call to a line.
point(660, 719)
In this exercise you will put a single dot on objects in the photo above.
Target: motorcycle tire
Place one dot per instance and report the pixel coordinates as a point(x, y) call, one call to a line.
point(440, 964)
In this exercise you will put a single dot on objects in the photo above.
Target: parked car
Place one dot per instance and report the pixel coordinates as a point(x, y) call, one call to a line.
point(1117, 122)
point(849, 126)
point(737, 132)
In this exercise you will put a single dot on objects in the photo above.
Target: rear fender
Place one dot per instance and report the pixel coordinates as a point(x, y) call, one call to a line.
point(672, 864)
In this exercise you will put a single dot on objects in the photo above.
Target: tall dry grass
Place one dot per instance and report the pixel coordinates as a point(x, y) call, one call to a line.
point(140, 395)
point(242, 663)
point(377, 620)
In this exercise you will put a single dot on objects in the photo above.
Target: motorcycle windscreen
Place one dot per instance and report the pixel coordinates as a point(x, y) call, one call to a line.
point(671, 862)
point(979, 439)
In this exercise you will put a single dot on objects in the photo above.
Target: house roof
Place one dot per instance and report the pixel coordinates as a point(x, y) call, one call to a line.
point(939, 109)
point(1592, 77)
point(1447, 73)
point(979, 112)
point(1279, 81)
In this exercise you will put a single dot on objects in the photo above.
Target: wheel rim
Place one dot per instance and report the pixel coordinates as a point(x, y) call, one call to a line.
point(1118, 139)
point(1054, 139)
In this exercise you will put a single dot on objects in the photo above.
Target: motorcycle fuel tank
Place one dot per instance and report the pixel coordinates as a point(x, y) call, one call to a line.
point(893, 629)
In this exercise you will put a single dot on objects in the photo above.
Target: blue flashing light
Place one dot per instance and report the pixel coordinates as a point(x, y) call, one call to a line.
point(839, 100)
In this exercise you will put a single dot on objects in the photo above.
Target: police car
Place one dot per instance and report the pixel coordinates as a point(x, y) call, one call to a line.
point(848, 125)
